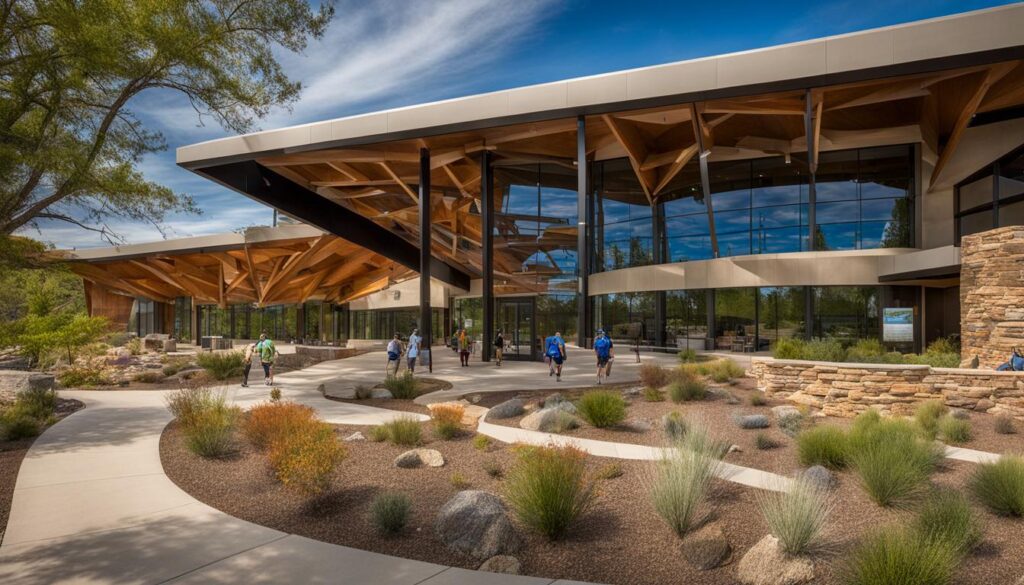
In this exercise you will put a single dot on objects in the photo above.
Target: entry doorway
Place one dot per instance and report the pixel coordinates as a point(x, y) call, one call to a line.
point(515, 316)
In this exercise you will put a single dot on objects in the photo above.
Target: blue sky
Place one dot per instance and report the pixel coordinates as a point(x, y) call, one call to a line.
point(390, 53)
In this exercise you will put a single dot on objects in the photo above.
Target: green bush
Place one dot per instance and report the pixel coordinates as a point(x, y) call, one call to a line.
point(390, 512)
point(492, 468)
point(892, 461)
point(682, 479)
point(134, 346)
point(403, 430)
point(481, 442)
point(149, 377)
point(83, 377)
point(602, 408)
point(15, 424)
point(39, 403)
point(866, 351)
point(459, 481)
point(402, 387)
point(725, 370)
point(687, 389)
point(221, 365)
point(211, 431)
point(758, 399)
point(378, 434)
point(1000, 485)
point(895, 556)
point(954, 431)
point(1004, 424)
point(548, 490)
point(796, 516)
point(927, 416)
point(764, 442)
point(653, 395)
point(824, 350)
point(823, 445)
point(946, 518)
point(687, 355)
point(788, 348)
point(653, 376)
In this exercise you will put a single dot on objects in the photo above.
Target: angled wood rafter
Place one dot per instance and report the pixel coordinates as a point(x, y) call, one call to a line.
point(398, 180)
point(636, 150)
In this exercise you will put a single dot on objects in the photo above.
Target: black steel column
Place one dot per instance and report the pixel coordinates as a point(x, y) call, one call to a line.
point(582, 252)
point(812, 168)
point(487, 227)
point(425, 255)
point(808, 313)
point(660, 301)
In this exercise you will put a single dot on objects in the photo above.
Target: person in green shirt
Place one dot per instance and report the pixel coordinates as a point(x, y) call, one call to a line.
point(267, 353)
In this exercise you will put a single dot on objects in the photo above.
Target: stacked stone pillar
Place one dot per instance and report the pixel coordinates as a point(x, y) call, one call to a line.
point(992, 295)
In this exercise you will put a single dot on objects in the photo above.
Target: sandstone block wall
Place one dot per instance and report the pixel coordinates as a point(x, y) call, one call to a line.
point(841, 389)
point(992, 295)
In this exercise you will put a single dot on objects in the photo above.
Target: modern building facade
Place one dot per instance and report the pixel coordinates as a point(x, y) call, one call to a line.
point(806, 190)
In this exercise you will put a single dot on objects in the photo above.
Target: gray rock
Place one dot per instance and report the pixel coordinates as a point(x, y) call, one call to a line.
point(508, 409)
point(356, 436)
point(785, 410)
point(476, 523)
point(381, 393)
point(549, 420)
point(819, 475)
point(14, 381)
point(506, 564)
point(554, 399)
point(753, 421)
point(706, 548)
point(419, 458)
point(735, 449)
point(767, 564)
point(983, 405)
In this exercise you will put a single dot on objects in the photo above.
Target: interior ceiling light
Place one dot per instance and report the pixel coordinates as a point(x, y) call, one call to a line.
point(788, 160)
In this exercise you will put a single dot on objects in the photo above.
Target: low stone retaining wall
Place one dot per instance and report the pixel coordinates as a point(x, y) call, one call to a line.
point(842, 389)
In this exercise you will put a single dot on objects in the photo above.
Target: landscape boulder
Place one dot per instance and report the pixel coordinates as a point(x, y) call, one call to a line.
point(476, 523)
point(706, 548)
point(419, 458)
point(767, 564)
point(508, 409)
point(549, 420)
point(14, 381)
point(819, 476)
point(506, 564)
point(785, 410)
point(753, 421)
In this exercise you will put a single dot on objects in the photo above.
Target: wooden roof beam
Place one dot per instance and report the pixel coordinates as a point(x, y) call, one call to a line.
point(398, 180)
point(636, 150)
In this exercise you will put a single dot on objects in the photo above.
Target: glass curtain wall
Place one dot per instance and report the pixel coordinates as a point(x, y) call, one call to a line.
point(183, 318)
point(993, 197)
point(781, 313)
point(846, 313)
point(627, 318)
point(383, 324)
point(686, 318)
point(623, 215)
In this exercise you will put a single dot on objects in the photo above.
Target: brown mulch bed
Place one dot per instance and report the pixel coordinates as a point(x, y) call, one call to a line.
point(620, 540)
point(13, 452)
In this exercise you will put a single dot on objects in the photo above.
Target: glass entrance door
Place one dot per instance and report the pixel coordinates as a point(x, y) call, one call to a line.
point(515, 318)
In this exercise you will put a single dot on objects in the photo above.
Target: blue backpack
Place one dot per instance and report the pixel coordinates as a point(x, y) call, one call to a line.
point(602, 346)
point(553, 347)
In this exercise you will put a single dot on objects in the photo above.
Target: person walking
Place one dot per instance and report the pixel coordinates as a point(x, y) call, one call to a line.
point(267, 353)
point(555, 354)
point(499, 347)
point(465, 343)
point(413, 350)
point(394, 355)
point(603, 349)
point(247, 357)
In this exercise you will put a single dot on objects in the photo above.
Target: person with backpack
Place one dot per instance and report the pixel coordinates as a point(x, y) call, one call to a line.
point(413, 350)
point(247, 357)
point(1014, 364)
point(499, 347)
point(267, 353)
point(555, 354)
point(603, 349)
point(465, 343)
point(394, 354)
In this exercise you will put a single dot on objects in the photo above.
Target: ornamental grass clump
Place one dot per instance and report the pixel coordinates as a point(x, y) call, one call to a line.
point(402, 387)
point(653, 376)
point(548, 490)
point(674, 426)
point(687, 355)
point(899, 556)
point(304, 458)
point(891, 459)
point(764, 442)
point(1000, 485)
point(206, 419)
point(796, 515)
point(653, 395)
point(1004, 424)
point(687, 388)
point(602, 408)
point(682, 479)
point(269, 420)
point(390, 512)
point(927, 416)
point(221, 365)
point(447, 419)
point(403, 430)
point(725, 370)
point(954, 431)
point(822, 445)
point(945, 517)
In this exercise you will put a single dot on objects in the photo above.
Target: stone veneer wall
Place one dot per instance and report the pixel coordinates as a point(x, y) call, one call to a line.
point(842, 389)
point(992, 295)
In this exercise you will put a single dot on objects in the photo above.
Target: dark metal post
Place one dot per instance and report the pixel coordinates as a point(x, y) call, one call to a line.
point(425, 255)
point(487, 227)
point(705, 177)
point(812, 167)
point(808, 313)
point(660, 297)
point(582, 252)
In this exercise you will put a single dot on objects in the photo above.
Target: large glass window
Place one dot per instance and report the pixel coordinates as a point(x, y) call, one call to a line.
point(993, 197)
point(384, 323)
point(781, 312)
point(735, 313)
point(687, 235)
point(847, 313)
point(623, 225)
point(626, 317)
point(686, 318)
point(183, 318)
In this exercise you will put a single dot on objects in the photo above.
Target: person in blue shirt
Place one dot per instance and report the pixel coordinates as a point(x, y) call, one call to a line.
point(554, 354)
point(413, 350)
point(603, 349)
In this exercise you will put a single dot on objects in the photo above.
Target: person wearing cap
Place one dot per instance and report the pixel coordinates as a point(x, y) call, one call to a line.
point(604, 350)
point(413, 350)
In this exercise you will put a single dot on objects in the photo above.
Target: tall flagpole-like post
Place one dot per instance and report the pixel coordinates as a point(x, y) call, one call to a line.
point(425, 254)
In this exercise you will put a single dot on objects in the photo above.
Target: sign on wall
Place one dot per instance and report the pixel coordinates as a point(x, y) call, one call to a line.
point(898, 325)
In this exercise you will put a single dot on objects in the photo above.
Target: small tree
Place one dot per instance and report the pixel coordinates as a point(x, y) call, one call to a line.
point(38, 336)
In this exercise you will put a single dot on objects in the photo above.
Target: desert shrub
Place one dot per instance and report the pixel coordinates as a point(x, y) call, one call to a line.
point(134, 345)
point(459, 481)
point(151, 377)
point(481, 442)
point(943, 345)
point(304, 458)
point(892, 461)
point(866, 351)
point(602, 408)
point(682, 479)
point(758, 399)
point(653, 395)
point(945, 517)
point(824, 350)
point(674, 425)
point(725, 370)
point(15, 424)
point(797, 515)
point(764, 442)
point(610, 471)
point(927, 416)
point(792, 423)
point(895, 556)
point(270, 420)
point(954, 431)
point(403, 430)
point(275, 394)
point(687, 355)
point(564, 422)
point(172, 367)
point(402, 387)
point(39, 403)
point(447, 419)
point(752, 421)
point(83, 377)
point(118, 338)
point(548, 490)
point(936, 360)
point(492, 468)
point(188, 401)
point(390, 512)
point(378, 434)
point(1000, 485)
point(653, 375)
point(221, 365)
point(687, 389)
point(823, 445)
point(211, 431)
point(1004, 424)
point(788, 348)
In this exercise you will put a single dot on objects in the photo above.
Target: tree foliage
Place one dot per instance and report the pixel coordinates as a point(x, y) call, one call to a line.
point(70, 72)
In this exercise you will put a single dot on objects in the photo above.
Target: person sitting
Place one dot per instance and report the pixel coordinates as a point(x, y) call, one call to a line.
point(1014, 364)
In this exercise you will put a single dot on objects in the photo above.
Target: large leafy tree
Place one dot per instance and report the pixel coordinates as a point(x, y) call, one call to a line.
point(70, 71)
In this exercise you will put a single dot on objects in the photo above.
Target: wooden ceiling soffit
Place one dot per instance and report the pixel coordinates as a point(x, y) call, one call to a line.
point(636, 150)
